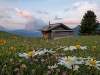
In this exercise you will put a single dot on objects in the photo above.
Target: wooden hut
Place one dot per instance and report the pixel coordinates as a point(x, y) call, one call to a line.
point(57, 30)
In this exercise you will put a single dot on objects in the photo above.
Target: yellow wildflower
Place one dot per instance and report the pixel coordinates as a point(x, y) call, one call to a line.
point(78, 46)
point(92, 62)
point(68, 59)
point(14, 48)
point(0, 55)
point(31, 53)
point(94, 47)
point(24, 40)
point(68, 48)
point(2, 41)
point(15, 37)
point(11, 48)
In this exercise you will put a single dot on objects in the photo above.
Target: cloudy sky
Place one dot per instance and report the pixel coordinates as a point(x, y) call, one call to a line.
point(16, 14)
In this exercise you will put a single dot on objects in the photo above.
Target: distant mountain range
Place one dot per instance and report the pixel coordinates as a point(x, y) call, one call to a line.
point(3, 29)
point(34, 33)
point(31, 33)
point(22, 32)
point(26, 33)
point(76, 30)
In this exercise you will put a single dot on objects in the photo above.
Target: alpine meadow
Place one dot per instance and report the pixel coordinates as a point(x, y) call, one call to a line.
point(49, 37)
point(78, 55)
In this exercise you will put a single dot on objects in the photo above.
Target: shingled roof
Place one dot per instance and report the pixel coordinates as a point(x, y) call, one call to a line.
point(52, 26)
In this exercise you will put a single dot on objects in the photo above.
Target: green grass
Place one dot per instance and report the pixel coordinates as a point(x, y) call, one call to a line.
point(37, 43)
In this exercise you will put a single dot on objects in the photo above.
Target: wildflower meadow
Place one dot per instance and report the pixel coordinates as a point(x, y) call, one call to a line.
point(21, 55)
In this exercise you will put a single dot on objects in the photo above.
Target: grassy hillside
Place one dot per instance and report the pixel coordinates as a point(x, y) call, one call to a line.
point(11, 63)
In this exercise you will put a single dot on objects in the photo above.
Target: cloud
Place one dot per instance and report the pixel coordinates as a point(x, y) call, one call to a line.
point(40, 12)
point(2, 10)
point(78, 3)
point(36, 22)
point(45, 12)
point(13, 25)
point(85, 6)
point(67, 9)
point(24, 14)
point(71, 22)
point(4, 16)
point(57, 18)
point(75, 8)
point(3, 13)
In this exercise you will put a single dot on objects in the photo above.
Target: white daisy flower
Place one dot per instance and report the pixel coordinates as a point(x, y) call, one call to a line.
point(83, 47)
point(68, 61)
point(92, 62)
point(53, 66)
point(70, 48)
point(61, 47)
point(80, 60)
point(38, 52)
point(22, 54)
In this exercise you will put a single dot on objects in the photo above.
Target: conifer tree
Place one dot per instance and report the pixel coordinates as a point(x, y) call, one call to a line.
point(89, 24)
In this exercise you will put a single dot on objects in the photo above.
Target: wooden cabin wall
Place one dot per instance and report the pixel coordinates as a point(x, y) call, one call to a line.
point(58, 34)
point(46, 34)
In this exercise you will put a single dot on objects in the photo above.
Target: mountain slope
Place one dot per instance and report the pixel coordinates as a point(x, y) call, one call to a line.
point(26, 33)
point(76, 30)
point(7, 35)
point(3, 29)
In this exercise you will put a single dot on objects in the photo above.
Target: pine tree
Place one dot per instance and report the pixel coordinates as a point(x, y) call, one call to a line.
point(89, 24)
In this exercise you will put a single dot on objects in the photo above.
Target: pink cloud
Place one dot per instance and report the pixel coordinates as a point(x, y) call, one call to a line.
point(71, 23)
point(25, 14)
point(2, 10)
point(16, 9)
point(12, 25)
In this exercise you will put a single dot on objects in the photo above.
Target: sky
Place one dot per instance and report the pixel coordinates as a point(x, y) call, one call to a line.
point(15, 14)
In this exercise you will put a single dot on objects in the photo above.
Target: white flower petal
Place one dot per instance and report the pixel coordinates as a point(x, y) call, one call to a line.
point(22, 54)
